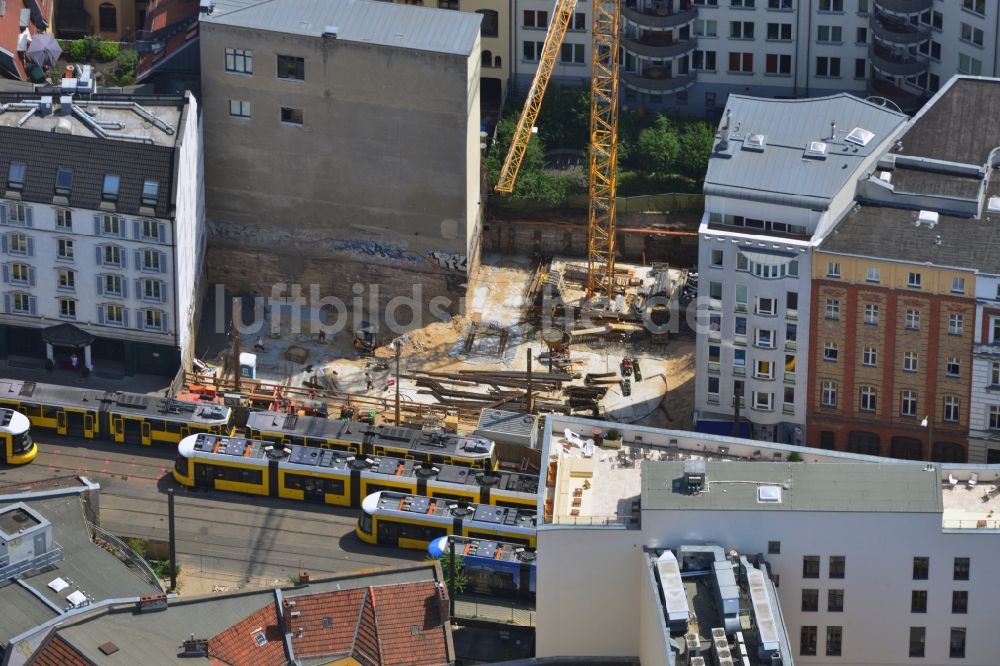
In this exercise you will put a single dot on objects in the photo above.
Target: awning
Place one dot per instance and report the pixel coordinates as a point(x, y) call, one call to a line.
point(768, 257)
point(66, 335)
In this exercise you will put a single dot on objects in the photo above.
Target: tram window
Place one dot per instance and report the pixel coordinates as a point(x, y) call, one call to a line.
point(48, 412)
point(420, 532)
point(31, 410)
point(366, 523)
point(387, 530)
point(210, 472)
point(181, 466)
point(312, 484)
point(21, 443)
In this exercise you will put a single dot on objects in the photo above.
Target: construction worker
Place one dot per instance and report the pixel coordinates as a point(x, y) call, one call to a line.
point(368, 380)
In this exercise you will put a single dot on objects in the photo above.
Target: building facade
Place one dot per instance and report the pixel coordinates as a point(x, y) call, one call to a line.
point(102, 230)
point(355, 139)
point(984, 408)
point(873, 561)
point(779, 178)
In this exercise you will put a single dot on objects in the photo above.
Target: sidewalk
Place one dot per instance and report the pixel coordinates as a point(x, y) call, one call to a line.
point(33, 370)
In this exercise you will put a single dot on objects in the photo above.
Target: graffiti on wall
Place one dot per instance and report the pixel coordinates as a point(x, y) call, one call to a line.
point(450, 261)
point(370, 248)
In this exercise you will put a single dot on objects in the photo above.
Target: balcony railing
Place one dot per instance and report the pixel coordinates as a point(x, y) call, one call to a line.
point(895, 63)
point(655, 48)
point(656, 83)
point(656, 15)
point(904, 99)
point(896, 31)
point(903, 7)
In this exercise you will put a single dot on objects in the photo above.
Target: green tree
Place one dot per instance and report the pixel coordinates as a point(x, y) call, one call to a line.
point(659, 146)
point(532, 183)
point(696, 144)
point(564, 120)
point(453, 567)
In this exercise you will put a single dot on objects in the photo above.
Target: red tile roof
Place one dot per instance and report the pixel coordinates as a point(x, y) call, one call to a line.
point(10, 28)
point(389, 625)
point(238, 645)
point(57, 652)
point(170, 24)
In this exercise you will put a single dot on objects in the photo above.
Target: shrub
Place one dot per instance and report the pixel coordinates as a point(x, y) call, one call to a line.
point(77, 50)
point(107, 51)
point(794, 456)
point(126, 80)
point(128, 60)
point(93, 46)
point(613, 435)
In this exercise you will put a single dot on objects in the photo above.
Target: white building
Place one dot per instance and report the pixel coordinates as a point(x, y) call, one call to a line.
point(874, 561)
point(102, 237)
point(984, 408)
point(691, 54)
point(781, 175)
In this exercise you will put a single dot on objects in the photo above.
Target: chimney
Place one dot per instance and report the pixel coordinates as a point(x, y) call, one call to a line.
point(443, 602)
point(833, 131)
point(150, 603)
point(286, 616)
point(330, 33)
point(304, 577)
point(195, 647)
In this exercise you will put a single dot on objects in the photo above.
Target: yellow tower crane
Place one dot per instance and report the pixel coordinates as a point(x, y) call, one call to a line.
point(603, 162)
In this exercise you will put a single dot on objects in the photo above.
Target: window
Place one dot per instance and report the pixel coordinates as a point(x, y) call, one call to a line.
point(20, 274)
point(835, 601)
point(860, 68)
point(830, 351)
point(717, 258)
point(914, 280)
point(111, 285)
point(152, 290)
point(291, 116)
point(829, 33)
point(715, 294)
point(807, 641)
point(571, 53)
point(704, 60)
point(775, 63)
point(22, 303)
point(951, 408)
point(18, 213)
point(64, 219)
point(976, 6)
point(740, 329)
point(745, 4)
point(15, 176)
point(110, 190)
point(868, 397)
point(961, 569)
point(869, 357)
point(291, 68)
point(111, 225)
point(910, 361)
point(810, 601)
point(932, 49)
point(956, 649)
point(829, 394)
point(764, 337)
point(833, 269)
point(762, 401)
point(871, 314)
point(741, 62)
point(741, 29)
point(490, 27)
point(64, 250)
point(918, 637)
point(152, 260)
point(810, 566)
point(908, 403)
point(706, 28)
point(773, 547)
point(960, 602)
point(834, 640)
point(150, 230)
point(18, 244)
point(994, 417)
point(779, 4)
point(67, 308)
point(153, 320)
point(713, 390)
point(64, 182)
point(741, 298)
point(536, 19)
point(239, 108)
point(765, 306)
point(831, 5)
point(969, 65)
point(112, 314)
point(874, 275)
point(956, 324)
point(832, 308)
point(533, 51)
point(707, 3)
point(150, 192)
point(739, 361)
point(791, 336)
point(912, 319)
point(921, 567)
point(239, 61)
point(958, 285)
point(763, 370)
point(579, 22)
point(714, 352)
point(862, 36)
point(779, 31)
point(918, 601)
point(111, 255)
point(67, 279)
point(827, 66)
point(108, 17)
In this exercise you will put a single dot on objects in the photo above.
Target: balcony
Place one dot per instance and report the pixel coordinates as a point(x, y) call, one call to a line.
point(896, 63)
point(649, 46)
point(903, 7)
point(656, 15)
point(654, 81)
point(906, 100)
point(897, 32)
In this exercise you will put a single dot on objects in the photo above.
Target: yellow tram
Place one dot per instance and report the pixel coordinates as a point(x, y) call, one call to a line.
point(15, 433)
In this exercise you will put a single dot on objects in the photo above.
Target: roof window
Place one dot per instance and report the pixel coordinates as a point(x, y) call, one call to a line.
point(15, 177)
point(64, 182)
point(110, 191)
point(816, 150)
point(860, 136)
point(150, 191)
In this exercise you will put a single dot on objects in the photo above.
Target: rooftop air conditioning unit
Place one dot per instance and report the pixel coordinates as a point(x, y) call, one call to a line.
point(928, 217)
point(993, 206)
point(885, 176)
point(697, 661)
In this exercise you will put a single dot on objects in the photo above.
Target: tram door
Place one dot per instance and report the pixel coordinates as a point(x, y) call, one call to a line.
point(72, 423)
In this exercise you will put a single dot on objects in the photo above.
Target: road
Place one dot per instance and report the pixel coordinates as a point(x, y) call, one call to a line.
point(226, 535)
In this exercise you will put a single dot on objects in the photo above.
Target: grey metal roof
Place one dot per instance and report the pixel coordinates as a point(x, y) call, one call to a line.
point(362, 21)
point(837, 487)
point(780, 173)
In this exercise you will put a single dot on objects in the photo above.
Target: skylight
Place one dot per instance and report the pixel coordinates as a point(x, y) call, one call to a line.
point(15, 177)
point(816, 149)
point(755, 142)
point(110, 191)
point(769, 494)
point(860, 136)
point(64, 182)
point(150, 191)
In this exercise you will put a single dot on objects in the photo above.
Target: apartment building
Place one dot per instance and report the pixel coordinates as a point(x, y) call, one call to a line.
point(101, 231)
point(781, 175)
point(984, 402)
point(872, 561)
point(346, 131)
point(905, 292)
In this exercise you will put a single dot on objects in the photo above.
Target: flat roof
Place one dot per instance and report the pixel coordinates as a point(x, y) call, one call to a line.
point(780, 173)
point(827, 487)
point(359, 21)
